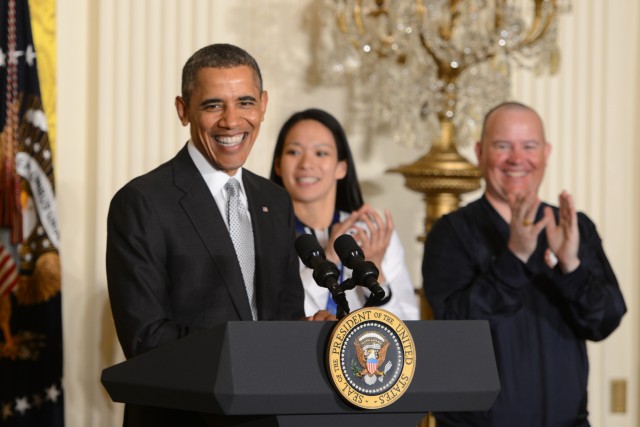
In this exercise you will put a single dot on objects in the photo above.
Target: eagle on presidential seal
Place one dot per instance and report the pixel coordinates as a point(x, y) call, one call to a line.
point(371, 349)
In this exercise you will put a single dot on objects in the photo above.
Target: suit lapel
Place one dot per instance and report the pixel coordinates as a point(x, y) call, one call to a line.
point(202, 210)
point(263, 231)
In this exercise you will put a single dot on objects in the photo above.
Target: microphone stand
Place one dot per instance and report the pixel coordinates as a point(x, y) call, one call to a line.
point(346, 285)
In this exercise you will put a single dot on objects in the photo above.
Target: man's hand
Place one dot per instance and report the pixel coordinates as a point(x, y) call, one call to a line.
point(564, 237)
point(523, 237)
point(321, 315)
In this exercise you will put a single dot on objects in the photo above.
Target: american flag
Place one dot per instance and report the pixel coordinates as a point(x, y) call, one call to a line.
point(8, 272)
point(30, 299)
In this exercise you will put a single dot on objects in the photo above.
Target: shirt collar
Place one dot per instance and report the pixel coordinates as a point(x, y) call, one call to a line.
point(215, 178)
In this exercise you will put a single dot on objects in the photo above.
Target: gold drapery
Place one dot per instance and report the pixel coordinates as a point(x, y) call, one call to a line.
point(43, 27)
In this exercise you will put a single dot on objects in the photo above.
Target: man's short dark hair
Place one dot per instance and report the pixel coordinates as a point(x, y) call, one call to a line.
point(218, 55)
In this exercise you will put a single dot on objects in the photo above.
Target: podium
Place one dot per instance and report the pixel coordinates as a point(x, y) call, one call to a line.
point(273, 374)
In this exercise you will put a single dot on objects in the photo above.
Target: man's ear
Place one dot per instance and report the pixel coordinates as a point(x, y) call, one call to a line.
point(547, 150)
point(181, 108)
point(264, 99)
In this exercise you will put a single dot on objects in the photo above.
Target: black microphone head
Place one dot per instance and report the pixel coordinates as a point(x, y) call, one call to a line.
point(348, 250)
point(307, 247)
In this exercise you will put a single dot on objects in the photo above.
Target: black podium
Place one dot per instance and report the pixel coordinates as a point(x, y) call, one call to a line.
point(275, 372)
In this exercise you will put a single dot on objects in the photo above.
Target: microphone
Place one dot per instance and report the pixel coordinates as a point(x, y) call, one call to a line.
point(365, 273)
point(325, 273)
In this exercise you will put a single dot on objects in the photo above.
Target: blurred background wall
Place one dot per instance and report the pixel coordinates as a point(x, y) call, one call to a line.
point(119, 65)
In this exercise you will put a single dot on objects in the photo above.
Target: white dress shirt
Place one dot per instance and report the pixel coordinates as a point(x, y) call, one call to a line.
point(216, 180)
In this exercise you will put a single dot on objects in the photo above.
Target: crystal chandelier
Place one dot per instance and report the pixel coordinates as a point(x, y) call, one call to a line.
point(432, 68)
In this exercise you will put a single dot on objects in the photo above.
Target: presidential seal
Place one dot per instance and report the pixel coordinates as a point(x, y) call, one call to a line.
point(371, 358)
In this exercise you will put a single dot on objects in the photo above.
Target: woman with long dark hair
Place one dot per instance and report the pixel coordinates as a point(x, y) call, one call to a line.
point(312, 160)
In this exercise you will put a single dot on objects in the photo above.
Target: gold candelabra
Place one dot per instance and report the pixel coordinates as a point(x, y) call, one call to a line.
point(433, 68)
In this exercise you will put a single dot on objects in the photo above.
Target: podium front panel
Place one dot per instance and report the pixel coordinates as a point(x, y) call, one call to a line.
point(278, 368)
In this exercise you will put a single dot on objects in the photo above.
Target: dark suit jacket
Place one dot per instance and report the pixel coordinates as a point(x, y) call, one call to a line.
point(171, 266)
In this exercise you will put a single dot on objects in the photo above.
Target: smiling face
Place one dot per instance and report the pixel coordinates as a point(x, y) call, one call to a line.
point(512, 154)
point(224, 112)
point(309, 165)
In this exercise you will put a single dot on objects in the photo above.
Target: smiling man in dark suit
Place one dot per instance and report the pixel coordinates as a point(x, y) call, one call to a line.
point(172, 267)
